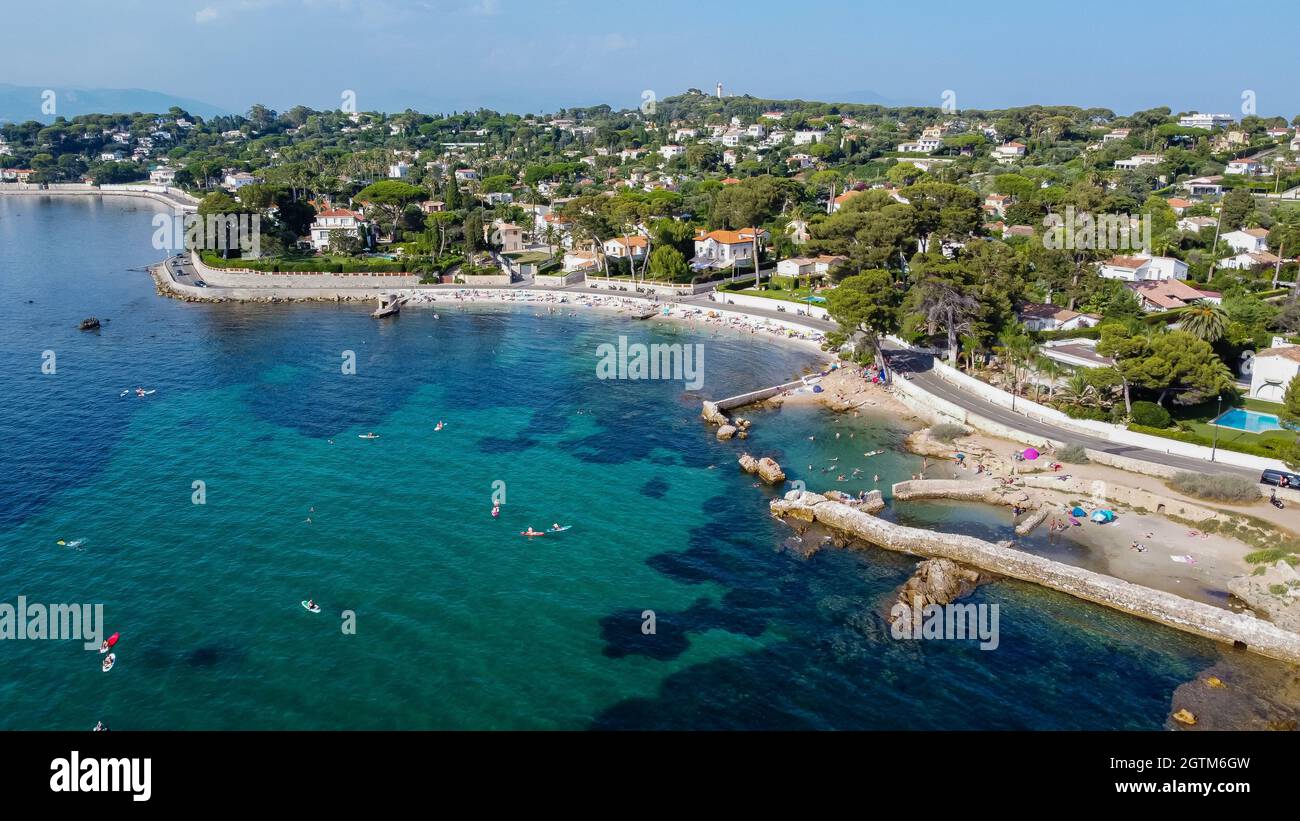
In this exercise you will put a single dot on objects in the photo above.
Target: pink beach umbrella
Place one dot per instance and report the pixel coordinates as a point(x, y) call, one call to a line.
point(1030, 454)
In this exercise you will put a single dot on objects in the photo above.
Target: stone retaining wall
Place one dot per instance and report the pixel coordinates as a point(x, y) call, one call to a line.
point(1155, 605)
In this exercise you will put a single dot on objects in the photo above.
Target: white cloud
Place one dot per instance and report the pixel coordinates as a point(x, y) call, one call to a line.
point(615, 42)
point(205, 15)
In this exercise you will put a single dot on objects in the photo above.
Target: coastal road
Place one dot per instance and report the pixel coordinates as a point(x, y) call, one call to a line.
point(921, 367)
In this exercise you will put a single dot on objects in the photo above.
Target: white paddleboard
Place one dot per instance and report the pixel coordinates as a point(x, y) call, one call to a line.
point(313, 608)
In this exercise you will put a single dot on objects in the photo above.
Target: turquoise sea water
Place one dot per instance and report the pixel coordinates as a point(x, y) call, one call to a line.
point(460, 622)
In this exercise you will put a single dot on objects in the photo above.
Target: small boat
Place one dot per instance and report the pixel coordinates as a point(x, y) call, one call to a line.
point(558, 529)
point(873, 453)
point(109, 642)
point(367, 436)
point(531, 533)
point(311, 606)
point(109, 661)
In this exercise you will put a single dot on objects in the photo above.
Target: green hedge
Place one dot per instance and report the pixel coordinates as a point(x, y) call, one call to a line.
point(1150, 415)
point(309, 265)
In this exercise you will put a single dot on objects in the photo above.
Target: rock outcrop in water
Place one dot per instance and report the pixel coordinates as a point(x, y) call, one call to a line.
point(90, 323)
point(725, 432)
point(766, 468)
point(713, 416)
point(939, 582)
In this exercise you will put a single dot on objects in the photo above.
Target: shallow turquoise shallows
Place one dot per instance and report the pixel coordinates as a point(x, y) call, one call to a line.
point(1248, 420)
point(460, 621)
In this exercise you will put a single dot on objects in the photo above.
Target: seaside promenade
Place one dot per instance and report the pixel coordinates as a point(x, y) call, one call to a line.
point(917, 365)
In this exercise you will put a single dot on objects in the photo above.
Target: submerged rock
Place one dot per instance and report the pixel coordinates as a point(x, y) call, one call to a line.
point(1240, 692)
point(90, 323)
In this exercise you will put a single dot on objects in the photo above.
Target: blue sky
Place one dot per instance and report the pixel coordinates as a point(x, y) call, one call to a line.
point(532, 55)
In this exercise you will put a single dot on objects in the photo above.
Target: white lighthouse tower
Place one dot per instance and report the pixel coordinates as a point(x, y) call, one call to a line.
point(719, 91)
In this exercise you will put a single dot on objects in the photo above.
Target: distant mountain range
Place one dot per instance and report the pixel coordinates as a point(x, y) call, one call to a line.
point(22, 103)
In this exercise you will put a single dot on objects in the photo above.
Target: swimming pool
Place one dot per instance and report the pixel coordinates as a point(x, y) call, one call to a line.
point(1248, 420)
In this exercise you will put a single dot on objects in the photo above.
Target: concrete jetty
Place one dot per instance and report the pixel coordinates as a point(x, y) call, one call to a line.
point(1205, 620)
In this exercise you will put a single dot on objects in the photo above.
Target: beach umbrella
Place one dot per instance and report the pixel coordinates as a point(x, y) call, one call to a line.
point(1030, 454)
point(1078, 511)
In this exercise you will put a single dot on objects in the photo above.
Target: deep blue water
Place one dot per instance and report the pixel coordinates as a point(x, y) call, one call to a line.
point(462, 623)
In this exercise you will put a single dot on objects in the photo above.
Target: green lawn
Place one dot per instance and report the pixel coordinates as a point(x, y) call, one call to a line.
point(796, 295)
point(530, 257)
point(1198, 418)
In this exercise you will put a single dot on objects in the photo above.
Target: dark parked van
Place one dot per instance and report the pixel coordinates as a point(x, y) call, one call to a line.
point(1280, 478)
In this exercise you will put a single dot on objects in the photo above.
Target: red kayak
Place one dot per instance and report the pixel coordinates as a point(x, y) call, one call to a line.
point(108, 643)
point(531, 533)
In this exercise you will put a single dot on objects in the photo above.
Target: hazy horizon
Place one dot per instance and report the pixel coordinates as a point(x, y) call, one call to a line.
point(444, 55)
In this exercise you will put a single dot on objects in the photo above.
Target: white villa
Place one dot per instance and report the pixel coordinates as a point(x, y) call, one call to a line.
point(1038, 316)
point(1143, 268)
point(1272, 370)
point(1009, 151)
point(724, 249)
point(808, 266)
point(1244, 166)
point(1206, 121)
point(629, 247)
point(1247, 239)
point(240, 179)
point(1139, 160)
point(334, 219)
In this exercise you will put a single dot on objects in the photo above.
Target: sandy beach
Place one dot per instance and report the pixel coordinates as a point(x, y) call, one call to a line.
point(1174, 556)
point(701, 318)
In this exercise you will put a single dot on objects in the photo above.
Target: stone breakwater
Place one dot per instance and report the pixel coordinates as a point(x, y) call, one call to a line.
point(989, 491)
point(1155, 605)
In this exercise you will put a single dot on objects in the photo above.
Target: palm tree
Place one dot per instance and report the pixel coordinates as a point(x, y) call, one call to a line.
point(970, 343)
point(1205, 320)
point(1015, 351)
point(1076, 390)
